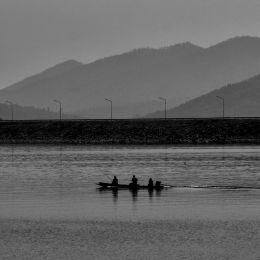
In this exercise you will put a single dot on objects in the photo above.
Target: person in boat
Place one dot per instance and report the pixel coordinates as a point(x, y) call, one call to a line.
point(158, 184)
point(134, 181)
point(115, 181)
point(150, 183)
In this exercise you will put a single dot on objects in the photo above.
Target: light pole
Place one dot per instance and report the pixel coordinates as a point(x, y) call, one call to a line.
point(57, 101)
point(111, 108)
point(164, 99)
point(12, 108)
point(223, 105)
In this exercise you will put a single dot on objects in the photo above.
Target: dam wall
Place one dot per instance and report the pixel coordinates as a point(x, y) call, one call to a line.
point(132, 131)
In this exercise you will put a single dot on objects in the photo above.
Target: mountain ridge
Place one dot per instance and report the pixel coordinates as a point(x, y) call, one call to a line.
point(241, 99)
point(176, 72)
point(49, 72)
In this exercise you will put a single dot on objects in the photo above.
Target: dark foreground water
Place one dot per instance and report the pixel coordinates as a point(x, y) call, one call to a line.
point(50, 207)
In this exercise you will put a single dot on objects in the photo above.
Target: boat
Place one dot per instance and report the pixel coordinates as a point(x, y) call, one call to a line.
point(105, 185)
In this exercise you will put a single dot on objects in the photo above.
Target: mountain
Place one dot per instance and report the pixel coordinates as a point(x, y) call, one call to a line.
point(128, 110)
point(28, 112)
point(240, 100)
point(50, 73)
point(178, 72)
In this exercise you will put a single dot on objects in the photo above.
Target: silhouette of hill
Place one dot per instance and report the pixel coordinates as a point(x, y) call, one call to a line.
point(46, 74)
point(29, 113)
point(178, 72)
point(241, 100)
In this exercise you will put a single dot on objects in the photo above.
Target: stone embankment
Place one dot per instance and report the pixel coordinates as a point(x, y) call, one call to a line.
point(139, 131)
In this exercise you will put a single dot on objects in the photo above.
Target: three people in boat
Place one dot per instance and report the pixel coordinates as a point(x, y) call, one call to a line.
point(135, 181)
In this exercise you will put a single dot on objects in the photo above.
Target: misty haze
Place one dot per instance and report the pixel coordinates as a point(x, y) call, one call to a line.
point(134, 81)
point(129, 129)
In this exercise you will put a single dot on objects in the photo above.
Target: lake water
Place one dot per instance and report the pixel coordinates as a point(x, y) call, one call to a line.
point(59, 182)
point(50, 207)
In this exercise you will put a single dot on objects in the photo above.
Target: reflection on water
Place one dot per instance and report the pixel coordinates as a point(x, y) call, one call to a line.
point(115, 193)
point(59, 181)
point(134, 195)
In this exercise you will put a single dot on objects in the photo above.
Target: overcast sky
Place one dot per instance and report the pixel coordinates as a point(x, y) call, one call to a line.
point(36, 34)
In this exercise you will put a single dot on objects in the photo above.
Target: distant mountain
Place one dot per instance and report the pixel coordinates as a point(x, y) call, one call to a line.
point(240, 100)
point(50, 73)
point(129, 110)
point(178, 72)
point(29, 113)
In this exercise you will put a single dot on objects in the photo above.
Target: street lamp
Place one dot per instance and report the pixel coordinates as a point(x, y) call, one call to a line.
point(111, 107)
point(164, 99)
point(12, 108)
point(223, 105)
point(57, 101)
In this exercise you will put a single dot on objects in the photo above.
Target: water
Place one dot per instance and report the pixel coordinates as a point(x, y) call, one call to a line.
point(59, 182)
point(50, 207)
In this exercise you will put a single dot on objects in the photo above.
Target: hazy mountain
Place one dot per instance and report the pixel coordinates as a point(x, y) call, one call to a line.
point(50, 73)
point(177, 72)
point(240, 100)
point(129, 110)
point(28, 112)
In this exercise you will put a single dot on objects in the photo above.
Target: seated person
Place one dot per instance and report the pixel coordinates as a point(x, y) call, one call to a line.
point(134, 181)
point(150, 183)
point(115, 181)
point(158, 184)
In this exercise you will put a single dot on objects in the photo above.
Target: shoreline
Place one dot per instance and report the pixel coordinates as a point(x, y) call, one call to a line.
point(199, 131)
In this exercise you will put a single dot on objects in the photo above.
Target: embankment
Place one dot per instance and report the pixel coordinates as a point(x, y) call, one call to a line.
point(140, 131)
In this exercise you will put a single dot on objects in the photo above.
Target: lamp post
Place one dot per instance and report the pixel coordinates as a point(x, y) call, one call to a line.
point(223, 105)
point(164, 99)
point(12, 108)
point(57, 101)
point(111, 108)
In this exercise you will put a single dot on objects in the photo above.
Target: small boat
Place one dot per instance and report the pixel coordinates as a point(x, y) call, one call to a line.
point(105, 185)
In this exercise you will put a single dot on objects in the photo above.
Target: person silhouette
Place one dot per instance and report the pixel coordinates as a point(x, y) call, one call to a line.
point(115, 181)
point(134, 181)
point(150, 183)
point(158, 185)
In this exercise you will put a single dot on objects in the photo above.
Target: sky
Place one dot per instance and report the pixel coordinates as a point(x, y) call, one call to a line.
point(37, 34)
